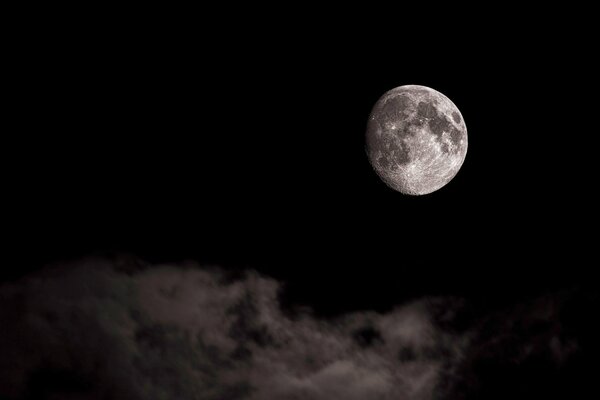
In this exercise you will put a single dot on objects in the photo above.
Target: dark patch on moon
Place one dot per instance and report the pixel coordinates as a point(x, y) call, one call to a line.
point(392, 155)
point(456, 117)
point(445, 148)
point(439, 124)
point(426, 110)
point(392, 152)
point(392, 109)
point(417, 122)
point(455, 136)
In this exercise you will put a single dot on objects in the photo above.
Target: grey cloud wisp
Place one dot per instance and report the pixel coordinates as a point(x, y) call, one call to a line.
point(96, 330)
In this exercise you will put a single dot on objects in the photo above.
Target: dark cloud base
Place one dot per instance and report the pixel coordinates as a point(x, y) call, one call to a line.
point(105, 329)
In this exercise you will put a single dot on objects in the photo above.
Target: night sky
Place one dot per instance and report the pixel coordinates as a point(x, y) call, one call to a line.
point(242, 147)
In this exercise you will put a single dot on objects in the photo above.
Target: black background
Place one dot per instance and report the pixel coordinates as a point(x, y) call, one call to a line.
point(239, 142)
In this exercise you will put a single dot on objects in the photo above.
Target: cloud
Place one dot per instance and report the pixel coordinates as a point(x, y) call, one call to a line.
point(98, 329)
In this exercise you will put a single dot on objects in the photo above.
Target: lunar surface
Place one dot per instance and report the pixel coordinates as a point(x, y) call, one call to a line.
point(416, 139)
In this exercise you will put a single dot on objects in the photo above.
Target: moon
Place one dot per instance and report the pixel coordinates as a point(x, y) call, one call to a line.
point(416, 139)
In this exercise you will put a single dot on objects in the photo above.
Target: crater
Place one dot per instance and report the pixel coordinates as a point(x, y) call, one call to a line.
point(456, 117)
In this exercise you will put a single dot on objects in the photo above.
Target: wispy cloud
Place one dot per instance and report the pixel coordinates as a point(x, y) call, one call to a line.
point(96, 329)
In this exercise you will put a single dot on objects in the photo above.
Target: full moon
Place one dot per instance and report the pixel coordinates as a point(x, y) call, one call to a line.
point(416, 139)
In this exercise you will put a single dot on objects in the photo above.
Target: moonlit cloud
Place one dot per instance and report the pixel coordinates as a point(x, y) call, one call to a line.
point(94, 329)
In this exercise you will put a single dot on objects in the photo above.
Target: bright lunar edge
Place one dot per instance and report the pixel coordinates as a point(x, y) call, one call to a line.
point(416, 139)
